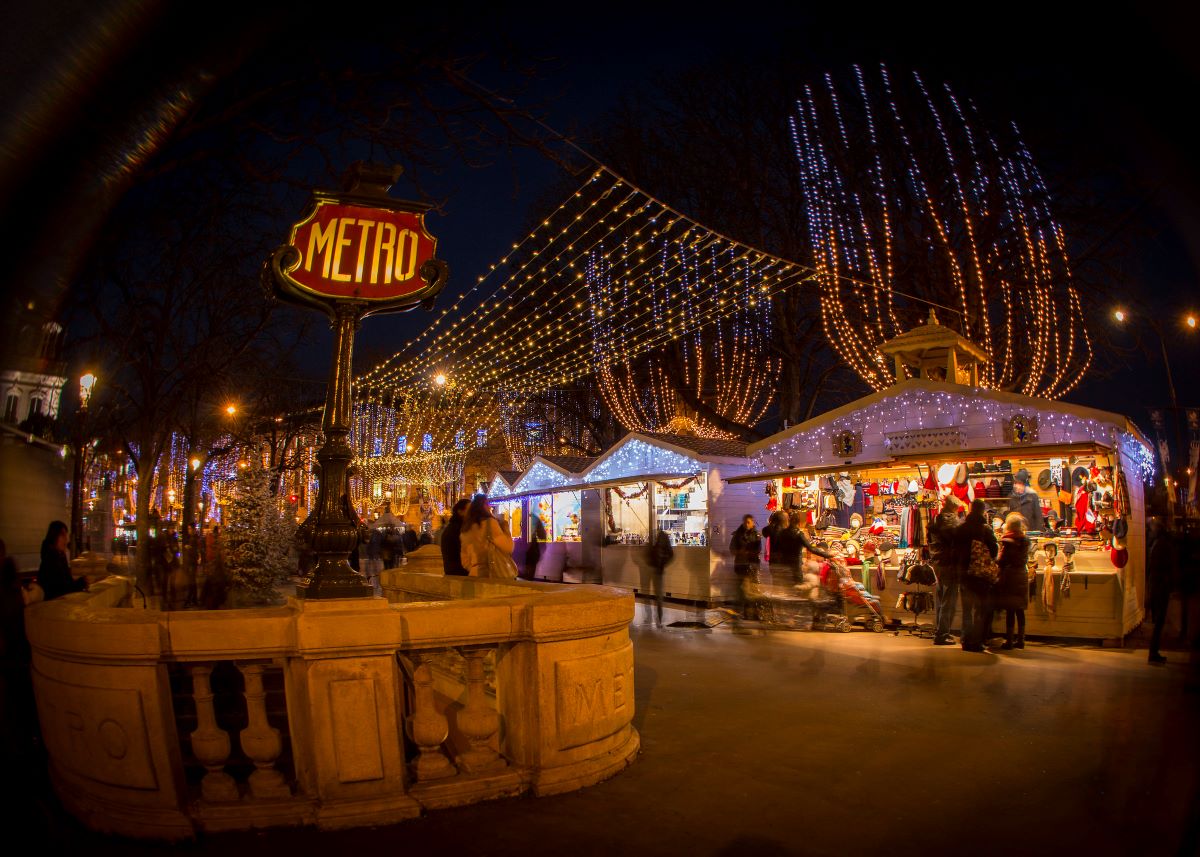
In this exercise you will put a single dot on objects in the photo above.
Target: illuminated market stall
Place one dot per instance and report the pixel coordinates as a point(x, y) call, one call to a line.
point(648, 482)
point(868, 475)
point(546, 502)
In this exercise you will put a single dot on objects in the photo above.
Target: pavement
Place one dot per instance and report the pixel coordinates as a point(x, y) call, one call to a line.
point(780, 743)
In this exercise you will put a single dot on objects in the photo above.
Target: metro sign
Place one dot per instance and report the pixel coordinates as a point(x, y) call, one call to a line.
point(360, 246)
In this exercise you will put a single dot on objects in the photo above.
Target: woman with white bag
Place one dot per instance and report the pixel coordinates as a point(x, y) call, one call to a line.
point(486, 547)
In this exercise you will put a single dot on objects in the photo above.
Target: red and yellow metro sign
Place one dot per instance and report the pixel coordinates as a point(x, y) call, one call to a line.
point(349, 251)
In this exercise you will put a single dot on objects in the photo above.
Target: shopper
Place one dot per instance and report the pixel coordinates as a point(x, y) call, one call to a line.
point(746, 548)
point(452, 540)
point(1162, 570)
point(660, 552)
point(975, 591)
point(1011, 593)
point(486, 548)
point(941, 533)
point(54, 574)
point(534, 552)
point(788, 544)
point(1026, 501)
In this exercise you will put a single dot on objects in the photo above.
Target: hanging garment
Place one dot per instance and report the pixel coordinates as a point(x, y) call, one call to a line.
point(1048, 589)
point(1065, 586)
point(1085, 518)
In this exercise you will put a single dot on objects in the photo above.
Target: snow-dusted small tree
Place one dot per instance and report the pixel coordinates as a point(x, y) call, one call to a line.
point(257, 537)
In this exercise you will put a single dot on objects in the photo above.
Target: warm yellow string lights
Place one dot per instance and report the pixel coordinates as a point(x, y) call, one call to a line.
point(966, 209)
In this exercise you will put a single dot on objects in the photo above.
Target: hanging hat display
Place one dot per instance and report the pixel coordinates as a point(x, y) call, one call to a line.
point(1043, 479)
point(960, 474)
point(931, 482)
point(1119, 556)
point(913, 487)
point(1120, 528)
point(945, 473)
point(1079, 476)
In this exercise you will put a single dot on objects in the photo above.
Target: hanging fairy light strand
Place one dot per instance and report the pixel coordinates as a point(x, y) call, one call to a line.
point(964, 205)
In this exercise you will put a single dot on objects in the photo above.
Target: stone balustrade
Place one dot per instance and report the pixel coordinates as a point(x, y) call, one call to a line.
point(332, 713)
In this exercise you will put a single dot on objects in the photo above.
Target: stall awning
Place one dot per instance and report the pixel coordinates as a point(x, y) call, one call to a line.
point(1013, 452)
point(811, 471)
point(1036, 450)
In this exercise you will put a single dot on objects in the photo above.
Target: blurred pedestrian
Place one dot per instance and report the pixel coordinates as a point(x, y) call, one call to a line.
point(975, 590)
point(1162, 572)
point(942, 556)
point(534, 552)
point(1011, 593)
point(660, 552)
point(746, 548)
point(54, 574)
point(486, 548)
point(452, 540)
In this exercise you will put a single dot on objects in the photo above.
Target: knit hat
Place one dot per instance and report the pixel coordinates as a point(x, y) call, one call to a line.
point(931, 482)
point(1022, 476)
point(1118, 556)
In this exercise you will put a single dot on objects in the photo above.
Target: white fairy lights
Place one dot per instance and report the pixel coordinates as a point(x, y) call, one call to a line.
point(636, 458)
point(973, 203)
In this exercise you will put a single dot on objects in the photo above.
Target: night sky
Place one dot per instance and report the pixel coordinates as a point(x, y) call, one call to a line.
point(1106, 102)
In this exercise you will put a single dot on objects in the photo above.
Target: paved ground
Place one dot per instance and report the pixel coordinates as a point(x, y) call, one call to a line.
point(811, 743)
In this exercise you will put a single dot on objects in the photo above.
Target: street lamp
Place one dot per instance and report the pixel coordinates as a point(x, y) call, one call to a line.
point(1190, 322)
point(86, 383)
point(440, 379)
point(231, 409)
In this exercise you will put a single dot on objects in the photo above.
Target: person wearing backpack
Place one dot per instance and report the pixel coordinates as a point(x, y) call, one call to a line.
point(976, 587)
point(660, 553)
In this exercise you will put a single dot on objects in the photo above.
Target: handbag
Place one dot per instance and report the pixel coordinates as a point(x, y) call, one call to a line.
point(982, 565)
point(500, 563)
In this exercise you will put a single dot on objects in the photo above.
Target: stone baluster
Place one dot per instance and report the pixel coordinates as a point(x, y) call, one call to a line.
point(478, 721)
point(427, 727)
point(260, 740)
point(210, 743)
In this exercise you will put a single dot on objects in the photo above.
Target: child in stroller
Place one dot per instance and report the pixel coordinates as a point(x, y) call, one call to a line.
point(848, 602)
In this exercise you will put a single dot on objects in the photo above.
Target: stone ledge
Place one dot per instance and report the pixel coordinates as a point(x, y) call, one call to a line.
point(466, 789)
point(569, 778)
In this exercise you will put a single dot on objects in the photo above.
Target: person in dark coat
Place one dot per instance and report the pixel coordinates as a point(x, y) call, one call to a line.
point(975, 592)
point(1162, 570)
point(1011, 592)
point(1026, 501)
point(54, 574)
point(452, 540)
point(660, 553)
point(941, 532)
point(788, 543)
point(746, 547)
point(533, 553)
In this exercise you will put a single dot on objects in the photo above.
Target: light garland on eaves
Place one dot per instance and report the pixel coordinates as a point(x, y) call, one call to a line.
point(1011, 283)
point(636, 458)
point(922, 409)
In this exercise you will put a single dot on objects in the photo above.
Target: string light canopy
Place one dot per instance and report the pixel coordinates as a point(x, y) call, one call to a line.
point(960, 203)
point(538, 321)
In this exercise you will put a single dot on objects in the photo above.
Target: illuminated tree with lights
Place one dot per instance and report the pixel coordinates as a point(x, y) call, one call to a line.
point(913, 199)
point(257, 538)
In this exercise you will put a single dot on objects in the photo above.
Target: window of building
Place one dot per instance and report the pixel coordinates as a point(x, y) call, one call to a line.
point(402, 444)
point(481, 437)
point(460, 439)
point(10, 408)
point(427, 443)
point(35, 406)
point(378, 450)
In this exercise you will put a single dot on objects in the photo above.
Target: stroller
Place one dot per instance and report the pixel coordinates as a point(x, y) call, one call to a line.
point(848, 603)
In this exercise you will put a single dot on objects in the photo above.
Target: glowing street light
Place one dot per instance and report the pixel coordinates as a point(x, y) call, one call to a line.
point(1190, 321)
point(231, 409)
point(195, 464)
point(440, 379)
point(1119, 315)
point(85, 389)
